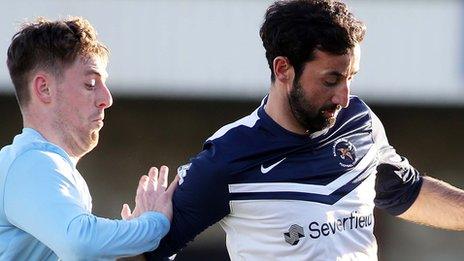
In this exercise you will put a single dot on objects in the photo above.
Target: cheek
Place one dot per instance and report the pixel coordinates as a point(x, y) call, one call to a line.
point(76, 113)
point(82, 102)
point(73, 108)
point(316, 94)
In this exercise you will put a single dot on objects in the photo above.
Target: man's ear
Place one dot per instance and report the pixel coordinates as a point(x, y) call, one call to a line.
point(41, 84)
point(283, 70)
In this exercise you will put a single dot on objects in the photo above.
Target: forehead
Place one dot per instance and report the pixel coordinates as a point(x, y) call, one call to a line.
point(89, 65)
point(345, 63)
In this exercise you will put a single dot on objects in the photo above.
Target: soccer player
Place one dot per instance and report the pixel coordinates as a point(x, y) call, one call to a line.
point(299, 177)
point(58, 69)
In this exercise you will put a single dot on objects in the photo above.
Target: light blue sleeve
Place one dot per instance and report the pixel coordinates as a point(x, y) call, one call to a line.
point(42, 199)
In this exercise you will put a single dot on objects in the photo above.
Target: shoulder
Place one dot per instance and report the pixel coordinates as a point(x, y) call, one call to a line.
point(38, 166)
point(39, 158)
point(30, 150)
point(220, 153)
point(378, 131)
point(242, 125)
point(357, 111)
point(232, 139)
point(357, 106)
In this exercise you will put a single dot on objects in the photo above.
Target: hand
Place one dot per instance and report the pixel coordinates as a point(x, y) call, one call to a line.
point(152, 194)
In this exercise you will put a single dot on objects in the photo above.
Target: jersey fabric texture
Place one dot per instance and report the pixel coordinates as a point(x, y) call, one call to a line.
point(283, 196)
point(45, 209)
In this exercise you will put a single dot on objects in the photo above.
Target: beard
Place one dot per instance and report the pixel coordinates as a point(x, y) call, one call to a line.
point(306, 114)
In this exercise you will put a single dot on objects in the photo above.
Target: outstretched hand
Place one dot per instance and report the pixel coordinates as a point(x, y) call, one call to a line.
point(153, 194)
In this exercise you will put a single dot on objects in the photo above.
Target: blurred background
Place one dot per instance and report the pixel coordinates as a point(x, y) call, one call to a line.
point(179, 70)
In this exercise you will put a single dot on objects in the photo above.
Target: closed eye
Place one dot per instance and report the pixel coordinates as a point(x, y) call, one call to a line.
point(331, 82)
point(91, 85)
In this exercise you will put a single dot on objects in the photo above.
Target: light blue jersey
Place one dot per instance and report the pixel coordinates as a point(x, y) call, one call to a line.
point(45, 209)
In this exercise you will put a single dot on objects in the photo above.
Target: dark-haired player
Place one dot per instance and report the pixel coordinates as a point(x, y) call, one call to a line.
point(298, 178)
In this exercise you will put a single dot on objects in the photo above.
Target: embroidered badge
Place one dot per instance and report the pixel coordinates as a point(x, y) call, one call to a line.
point(345, 151)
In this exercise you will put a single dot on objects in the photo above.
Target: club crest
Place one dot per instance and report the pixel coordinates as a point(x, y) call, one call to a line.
point(345, 151)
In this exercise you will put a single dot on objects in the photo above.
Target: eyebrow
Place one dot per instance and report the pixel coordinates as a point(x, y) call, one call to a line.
point(338, 74)
point(93, 71)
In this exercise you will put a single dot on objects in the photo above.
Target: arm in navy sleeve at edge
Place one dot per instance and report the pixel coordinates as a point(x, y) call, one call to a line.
point(423, 200)
point(200, 201)
point(42, 200)
point(398, 183)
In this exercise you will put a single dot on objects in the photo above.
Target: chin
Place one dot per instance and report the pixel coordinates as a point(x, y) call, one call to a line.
point(94, 137)
point(91, 140)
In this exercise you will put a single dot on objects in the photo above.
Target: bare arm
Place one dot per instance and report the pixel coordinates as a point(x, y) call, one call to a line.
point(438, 204)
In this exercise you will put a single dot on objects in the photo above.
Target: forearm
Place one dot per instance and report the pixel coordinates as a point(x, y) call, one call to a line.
point(73, 233)
point(105, 238)
point(438, 204)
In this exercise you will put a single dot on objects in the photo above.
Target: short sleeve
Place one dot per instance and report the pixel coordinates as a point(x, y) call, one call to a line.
point(398, 183)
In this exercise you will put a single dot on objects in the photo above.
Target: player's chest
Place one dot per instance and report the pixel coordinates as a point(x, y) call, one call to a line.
point(320, 163)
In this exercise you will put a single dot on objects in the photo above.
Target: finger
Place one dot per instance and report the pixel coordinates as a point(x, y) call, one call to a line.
point(172, 187)
point(153, 179)
point(163, 178)
point(142, 186)
point(126, 212)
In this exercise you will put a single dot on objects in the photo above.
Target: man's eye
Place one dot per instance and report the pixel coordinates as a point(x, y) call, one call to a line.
point(91, 84)
point(330, 83)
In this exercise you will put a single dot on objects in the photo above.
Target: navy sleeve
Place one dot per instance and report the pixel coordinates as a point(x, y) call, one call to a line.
point(200, 201)
point(398, 183)
point(397, 187)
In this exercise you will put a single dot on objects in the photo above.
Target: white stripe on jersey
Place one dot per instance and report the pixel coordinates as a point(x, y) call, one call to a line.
point(248, 121)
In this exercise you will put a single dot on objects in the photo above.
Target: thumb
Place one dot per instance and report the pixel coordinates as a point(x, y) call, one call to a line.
point(172, 187)
point(126, 212)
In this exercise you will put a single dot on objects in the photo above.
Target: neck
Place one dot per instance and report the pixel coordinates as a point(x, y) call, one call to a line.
point(278, 108)
point(46, 128)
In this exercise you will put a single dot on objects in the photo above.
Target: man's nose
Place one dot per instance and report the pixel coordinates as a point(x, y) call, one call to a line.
point(342, 95)
point(105, 100)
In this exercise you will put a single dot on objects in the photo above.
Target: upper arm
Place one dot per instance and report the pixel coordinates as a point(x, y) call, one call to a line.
point(37, 181)
point(40, 198)
point(398, 183)
point(200, 201)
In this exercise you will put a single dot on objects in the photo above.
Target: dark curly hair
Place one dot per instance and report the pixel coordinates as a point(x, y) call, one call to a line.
point(296, 28)
point(51, 46)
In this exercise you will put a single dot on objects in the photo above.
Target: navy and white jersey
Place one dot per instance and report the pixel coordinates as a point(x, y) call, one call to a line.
point(283, 196)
